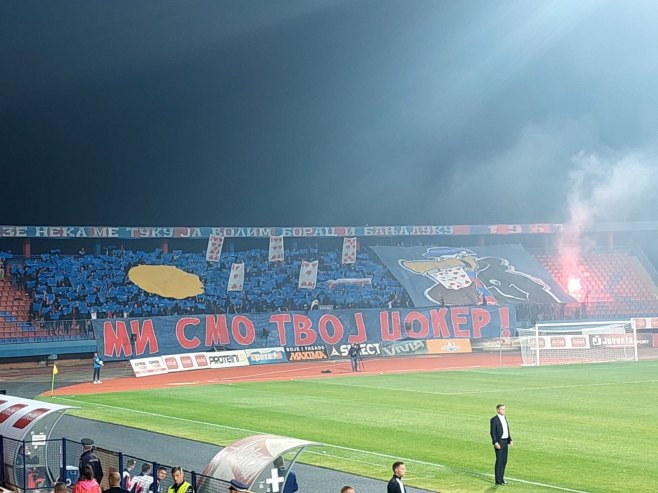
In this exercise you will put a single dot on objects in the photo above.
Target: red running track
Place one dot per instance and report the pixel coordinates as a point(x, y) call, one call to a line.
point(294, 371)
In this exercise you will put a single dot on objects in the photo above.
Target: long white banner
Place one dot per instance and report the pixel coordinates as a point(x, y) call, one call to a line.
point(148, 366)
point(188, 361)
point(567, 341)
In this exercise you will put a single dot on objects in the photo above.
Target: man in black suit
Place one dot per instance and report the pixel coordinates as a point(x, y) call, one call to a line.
point(501, 439)
point(395, 484)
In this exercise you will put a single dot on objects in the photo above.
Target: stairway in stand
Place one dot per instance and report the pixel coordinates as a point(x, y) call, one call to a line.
point(14, 309)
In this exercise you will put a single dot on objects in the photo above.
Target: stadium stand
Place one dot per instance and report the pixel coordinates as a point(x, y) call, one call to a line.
point(612, 283)
point(14, 309)
point(65, 287)
point(51, 296)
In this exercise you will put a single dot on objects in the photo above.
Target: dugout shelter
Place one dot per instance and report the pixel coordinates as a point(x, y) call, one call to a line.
point(251, 460)
point(30, 460)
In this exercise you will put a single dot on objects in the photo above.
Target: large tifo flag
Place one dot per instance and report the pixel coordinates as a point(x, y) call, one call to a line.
point(236, 280)
point(276, 249)
point(349, 250)
point(308, 275)
point(446, 275)
point(214, 249)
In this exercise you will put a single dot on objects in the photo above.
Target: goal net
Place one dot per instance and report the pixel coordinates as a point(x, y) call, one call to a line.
point(578, 342)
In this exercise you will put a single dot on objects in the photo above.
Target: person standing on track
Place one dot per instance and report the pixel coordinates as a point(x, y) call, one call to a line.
point(98, 364)
point(501, 439)
point(354, 352)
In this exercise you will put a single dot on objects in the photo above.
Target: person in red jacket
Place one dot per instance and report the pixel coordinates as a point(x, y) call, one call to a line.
point(87, 483)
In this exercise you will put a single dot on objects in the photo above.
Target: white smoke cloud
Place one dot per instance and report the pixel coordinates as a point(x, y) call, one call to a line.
point(602, 189)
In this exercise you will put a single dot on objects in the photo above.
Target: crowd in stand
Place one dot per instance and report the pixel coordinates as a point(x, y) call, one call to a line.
point(74, 287)
point(67, 290)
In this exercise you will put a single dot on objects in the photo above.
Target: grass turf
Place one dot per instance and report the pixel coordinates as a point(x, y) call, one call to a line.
point(575, 428)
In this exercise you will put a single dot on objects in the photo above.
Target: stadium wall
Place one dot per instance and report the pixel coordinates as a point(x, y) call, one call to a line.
point(44, 349)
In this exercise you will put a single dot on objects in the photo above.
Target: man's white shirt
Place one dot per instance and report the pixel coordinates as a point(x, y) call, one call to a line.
point(503, 421)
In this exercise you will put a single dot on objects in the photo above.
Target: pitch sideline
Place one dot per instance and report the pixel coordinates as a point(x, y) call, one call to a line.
point(339, 447)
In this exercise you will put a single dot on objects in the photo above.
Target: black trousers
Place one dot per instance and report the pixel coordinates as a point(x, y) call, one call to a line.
point(501, 460)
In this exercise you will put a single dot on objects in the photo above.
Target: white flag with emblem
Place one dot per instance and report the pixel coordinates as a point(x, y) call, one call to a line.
point(349, 251)
point(276, 249)
point(236, 279)
point(308, 274)
point(214, 249)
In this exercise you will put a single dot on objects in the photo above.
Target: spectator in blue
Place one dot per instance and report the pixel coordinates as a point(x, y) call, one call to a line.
point(291, 480)
point(98, 364)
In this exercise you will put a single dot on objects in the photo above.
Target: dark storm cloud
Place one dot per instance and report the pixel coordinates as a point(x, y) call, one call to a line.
point(233, 112)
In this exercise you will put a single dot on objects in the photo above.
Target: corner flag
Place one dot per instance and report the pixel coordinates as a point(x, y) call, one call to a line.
point(52, 383)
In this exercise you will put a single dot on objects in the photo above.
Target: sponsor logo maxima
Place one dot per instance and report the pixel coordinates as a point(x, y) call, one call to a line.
point(400, 348)
point(266, 355)
point(306, 353)
point(338, 351)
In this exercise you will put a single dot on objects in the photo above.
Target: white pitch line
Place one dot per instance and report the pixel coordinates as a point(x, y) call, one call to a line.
point(431, 464)
point(485, 391)
point(339, 447)
point(158, 415)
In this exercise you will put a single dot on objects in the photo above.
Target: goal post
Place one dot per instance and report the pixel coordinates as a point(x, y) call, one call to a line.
point(578, 342)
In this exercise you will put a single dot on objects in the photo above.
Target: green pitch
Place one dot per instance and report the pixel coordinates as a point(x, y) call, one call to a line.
point(581, 428)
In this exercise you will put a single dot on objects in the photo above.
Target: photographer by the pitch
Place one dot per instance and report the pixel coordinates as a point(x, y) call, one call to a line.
point(354, 353)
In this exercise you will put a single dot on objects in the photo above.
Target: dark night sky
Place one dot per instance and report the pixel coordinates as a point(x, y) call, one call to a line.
point(321, 112)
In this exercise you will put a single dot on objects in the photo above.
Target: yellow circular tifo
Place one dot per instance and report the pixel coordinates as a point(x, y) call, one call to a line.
point(166, 280)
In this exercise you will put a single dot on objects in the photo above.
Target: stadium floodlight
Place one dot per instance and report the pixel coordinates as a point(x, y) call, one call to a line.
point(578, 342)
